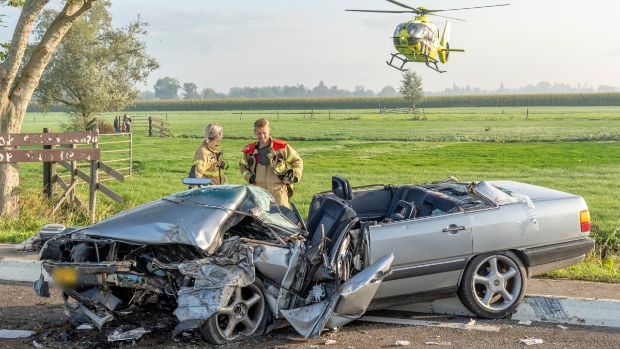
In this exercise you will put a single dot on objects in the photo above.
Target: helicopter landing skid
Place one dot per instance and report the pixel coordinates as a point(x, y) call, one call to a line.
point(436, 68)
point(397, 56)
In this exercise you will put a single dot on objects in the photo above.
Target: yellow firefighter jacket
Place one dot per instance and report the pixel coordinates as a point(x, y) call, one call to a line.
point(284, 162)
point(208, 160)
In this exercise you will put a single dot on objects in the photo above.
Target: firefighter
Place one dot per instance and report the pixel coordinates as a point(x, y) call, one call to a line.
point(271, 163)
point(208, 160)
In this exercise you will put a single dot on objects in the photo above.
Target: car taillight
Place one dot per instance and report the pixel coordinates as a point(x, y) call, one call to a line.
point(584, 218)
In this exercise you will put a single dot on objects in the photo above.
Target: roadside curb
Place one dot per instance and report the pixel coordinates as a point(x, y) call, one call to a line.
point(21, 270)
point(542, 308)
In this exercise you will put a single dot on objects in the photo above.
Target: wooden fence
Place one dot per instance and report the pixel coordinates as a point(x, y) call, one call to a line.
point(159, 127)
point(67, 157)
point(310, 114)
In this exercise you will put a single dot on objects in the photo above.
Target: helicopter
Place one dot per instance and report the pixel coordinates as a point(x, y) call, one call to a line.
point(418, 40)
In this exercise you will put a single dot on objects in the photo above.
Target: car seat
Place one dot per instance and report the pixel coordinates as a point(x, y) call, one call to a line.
point(333, 215)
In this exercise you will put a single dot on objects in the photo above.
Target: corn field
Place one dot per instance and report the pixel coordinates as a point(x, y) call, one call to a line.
point(517, 100)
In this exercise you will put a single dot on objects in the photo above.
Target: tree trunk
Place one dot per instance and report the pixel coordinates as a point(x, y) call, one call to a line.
point(9, 182)
point(15, 92)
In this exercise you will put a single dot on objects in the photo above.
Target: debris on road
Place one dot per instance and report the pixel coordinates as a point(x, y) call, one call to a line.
point(125, 332)
point(330, 342)
point(84, 327)
point(468, 326)
point(402, 343)
point(438, 343)
point(531, 341)
point(10, 334)
point(525, 322)
point(563, 327)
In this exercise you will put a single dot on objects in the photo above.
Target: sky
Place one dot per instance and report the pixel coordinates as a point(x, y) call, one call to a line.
point(237, 43)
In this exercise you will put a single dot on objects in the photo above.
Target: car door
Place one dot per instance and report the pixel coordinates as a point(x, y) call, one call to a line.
point(429, 255)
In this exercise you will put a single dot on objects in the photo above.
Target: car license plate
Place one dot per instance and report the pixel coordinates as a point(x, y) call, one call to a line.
point(65, 276)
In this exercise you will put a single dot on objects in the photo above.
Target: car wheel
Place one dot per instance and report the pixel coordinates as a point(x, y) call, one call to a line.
point(244, 316)
point(493, 284)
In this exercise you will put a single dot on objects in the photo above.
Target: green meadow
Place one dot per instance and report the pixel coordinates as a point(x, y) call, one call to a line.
point(572, 149)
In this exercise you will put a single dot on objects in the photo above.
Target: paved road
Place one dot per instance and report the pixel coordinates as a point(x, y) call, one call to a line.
point(20, 309)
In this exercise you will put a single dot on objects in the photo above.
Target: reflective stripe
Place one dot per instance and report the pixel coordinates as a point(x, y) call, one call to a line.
point(243, 161)
point(210, 174)
point(244, 173)
point(201, 162)
point(296, 170)
point(290, 157)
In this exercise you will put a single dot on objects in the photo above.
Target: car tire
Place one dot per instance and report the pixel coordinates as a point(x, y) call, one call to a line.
point(245, 316)
point(493, 284)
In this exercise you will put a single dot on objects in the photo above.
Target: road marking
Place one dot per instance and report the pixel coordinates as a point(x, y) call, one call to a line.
point(454, 325)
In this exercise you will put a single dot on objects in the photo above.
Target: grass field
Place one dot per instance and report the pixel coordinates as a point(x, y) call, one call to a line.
point(551, 124)
point(568, 149)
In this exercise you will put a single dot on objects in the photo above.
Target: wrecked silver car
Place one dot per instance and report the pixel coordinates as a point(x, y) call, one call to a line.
point(230, 263)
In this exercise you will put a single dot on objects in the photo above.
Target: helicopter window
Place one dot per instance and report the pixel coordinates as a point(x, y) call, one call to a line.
point(416, 30)
point(399, 28)
point(430, 35)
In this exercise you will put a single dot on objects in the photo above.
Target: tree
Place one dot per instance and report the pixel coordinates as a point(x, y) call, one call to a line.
point(17, 85)
point(209, 93)
point(146, 95)
point(96, 67)
point(388, 91)
point(190, 91)
point(411, 87)
point(320, 91)
point(167, 88)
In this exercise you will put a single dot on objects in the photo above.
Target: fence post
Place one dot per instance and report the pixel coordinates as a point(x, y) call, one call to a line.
point(278, 112)
point(150, 126)
point(329, 114)
point(48, 172)
point(73, 167)
point(240, 116)
point(130, 155)
point(94, 179)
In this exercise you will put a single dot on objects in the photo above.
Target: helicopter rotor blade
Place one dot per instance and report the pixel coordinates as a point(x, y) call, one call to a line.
point(381, 11)
point(415, 10)
point(456, 19)
point(463, 8)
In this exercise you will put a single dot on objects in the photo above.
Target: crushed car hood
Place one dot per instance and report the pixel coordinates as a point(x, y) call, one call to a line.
point(192, 217)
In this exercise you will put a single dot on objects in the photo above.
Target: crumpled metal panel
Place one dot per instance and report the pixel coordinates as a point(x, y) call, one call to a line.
point(272, 261)
point(304, 319)
point(351, 300)
point(287, 280)
point(236, 268)
point(215, 280)
point(355, 295)
point(192, 217)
